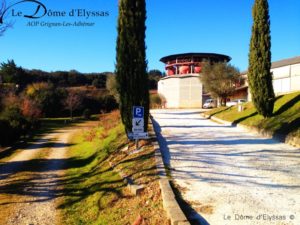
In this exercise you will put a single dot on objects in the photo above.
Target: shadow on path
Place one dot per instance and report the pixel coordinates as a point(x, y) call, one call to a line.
point(38, 178)
point(165, 151)
point(191, 126)
point(163, 145)
point(225, 157)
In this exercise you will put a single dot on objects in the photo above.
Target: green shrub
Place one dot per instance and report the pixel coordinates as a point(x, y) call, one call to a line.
point(4, 132)
point(13, 125)
point(155, 101)
point(86, 114)
point(108, 103)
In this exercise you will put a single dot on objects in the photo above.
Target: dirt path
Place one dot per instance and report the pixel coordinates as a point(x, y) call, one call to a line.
point(228, 175)
point(32, 181)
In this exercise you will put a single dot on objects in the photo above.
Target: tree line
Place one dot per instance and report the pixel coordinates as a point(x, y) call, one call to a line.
point(28, 95)
point(20, 112)
point(11, 73)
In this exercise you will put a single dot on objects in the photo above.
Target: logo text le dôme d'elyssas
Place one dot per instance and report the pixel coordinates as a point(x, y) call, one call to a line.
point(40, 10)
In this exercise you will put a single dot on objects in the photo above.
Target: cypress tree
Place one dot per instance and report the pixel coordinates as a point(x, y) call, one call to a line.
point(259, 74)
point(131, 65)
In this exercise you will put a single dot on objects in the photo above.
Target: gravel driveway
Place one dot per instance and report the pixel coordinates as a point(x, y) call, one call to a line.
point(229, 176)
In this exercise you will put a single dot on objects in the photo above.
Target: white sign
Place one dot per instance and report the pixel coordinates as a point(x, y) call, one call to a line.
point(141, 135)
point(137, 129)
point(138, 119)
point(136, 122)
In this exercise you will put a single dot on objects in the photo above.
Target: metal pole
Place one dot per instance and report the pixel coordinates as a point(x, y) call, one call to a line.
point(137, 144)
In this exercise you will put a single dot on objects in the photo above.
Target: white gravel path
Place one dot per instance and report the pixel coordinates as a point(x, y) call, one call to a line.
point(230, 176)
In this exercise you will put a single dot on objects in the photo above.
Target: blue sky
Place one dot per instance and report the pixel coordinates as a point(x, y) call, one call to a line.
point(173, 26)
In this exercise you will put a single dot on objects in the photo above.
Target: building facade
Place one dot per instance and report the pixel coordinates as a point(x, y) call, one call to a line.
point(286, 75)
point(286, 79)
point(181, 87)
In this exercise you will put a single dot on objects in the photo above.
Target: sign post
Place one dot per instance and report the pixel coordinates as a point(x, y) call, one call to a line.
point(138, 131)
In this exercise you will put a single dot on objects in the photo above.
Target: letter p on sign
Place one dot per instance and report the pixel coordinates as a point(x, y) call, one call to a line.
point(138, 112)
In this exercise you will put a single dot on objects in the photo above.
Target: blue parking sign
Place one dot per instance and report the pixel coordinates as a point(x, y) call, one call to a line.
point(138, 112)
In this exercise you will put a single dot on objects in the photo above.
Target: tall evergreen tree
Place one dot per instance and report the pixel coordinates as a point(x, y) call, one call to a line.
point(259, 74)
point(131, 65)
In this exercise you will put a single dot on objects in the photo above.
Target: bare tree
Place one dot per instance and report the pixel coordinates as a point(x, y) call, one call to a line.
point(72, 102)
point(3, 24)
point(111, 86)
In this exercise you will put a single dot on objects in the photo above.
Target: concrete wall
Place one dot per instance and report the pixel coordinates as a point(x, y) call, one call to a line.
point(182, 91)
point(295, 77)
point(286, 79)
point(169, 89)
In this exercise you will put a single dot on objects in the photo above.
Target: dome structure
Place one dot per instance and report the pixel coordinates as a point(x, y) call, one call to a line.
point(181, 87)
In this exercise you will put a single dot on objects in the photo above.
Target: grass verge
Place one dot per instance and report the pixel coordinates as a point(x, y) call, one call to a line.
point(95, 193)
point(285, 120)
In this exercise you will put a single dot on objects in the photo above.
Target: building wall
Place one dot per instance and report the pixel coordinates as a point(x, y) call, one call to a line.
point(168, 88)
point(240, 94)
point(190, 93)
point(181, 91)
point(286, 79)
point(295, 77)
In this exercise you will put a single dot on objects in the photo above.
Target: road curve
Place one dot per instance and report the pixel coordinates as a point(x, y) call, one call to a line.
point(228, 175)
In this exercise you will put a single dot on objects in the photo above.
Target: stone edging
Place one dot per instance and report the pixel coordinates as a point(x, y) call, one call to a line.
point(170, 204)
point(294, 141)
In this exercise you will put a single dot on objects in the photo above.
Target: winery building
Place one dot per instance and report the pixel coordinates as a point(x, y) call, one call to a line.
point(286, 78)
point(181, 87)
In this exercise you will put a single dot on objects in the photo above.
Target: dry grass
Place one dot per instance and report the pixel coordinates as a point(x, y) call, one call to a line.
point(103, 196)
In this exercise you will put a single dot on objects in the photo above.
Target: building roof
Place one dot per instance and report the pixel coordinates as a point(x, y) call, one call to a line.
point(281, 63)
point(181, 76)
point(207, 56)
point(286, 62)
